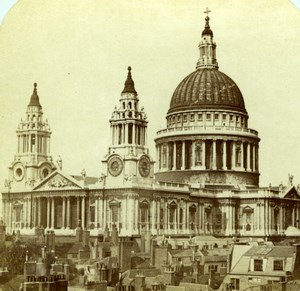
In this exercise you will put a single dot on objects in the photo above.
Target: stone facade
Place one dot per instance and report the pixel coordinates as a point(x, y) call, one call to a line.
point(207, 179)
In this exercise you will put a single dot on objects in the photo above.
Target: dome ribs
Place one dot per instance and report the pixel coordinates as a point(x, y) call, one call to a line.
point(207, 89)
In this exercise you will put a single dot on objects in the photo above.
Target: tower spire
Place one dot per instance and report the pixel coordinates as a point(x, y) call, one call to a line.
point(129, 84)
point(207, 47)
point(34, 100)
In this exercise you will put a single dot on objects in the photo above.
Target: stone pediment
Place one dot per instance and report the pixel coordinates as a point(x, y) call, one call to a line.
point(58, 181)
point(291, 193)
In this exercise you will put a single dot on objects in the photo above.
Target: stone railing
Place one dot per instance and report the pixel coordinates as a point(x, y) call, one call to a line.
point(205, 129)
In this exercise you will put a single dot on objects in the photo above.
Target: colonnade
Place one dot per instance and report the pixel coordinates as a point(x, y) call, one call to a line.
point(129, 133)
point(33, 143)
point(213, 154)
point(132, 214)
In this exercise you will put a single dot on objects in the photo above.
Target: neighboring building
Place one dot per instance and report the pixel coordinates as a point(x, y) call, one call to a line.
point(207, 179)
point(46, 273)
point(263, 265)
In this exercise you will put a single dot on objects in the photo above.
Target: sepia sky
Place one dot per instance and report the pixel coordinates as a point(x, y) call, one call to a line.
point(78, 53)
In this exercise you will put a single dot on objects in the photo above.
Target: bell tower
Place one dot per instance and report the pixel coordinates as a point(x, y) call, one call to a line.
point(128, 156)
point(33, 161)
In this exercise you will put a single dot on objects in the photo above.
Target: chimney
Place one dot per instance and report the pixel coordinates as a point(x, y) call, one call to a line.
point(125, 246)
point(140, 281)
point(114, 235)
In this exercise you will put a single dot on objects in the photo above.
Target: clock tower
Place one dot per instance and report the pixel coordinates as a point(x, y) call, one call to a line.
point(128, 157)
point(33, 161)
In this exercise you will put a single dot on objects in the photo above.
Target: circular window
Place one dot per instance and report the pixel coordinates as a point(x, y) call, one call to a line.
point(19, 172)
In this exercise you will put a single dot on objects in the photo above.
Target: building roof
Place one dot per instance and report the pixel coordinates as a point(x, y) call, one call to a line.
point(88, 180)
point(207, 88)
point(271, 251)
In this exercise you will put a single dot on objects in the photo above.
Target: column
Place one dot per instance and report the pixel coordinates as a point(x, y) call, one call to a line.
point(83, 212)
point(96, 211)
point(137, 216)
point(153, 216)
point(253, 157)
point(233, 219)
point(126, 133)
point(78, 211)
point(24, 213)
point(224, 155)
point(158, 214)
point(48, 212)
point(52, 212)
point(165, 215)
point(39, 211)
point(133, 134)
point(193, 154)
point(167, 156)
point(187, 217)
point(242, 166)
point(203, 158)
point(68, 212)
point(112, 130)
point(63, 212)
point(29, 212)
point(248, 157)
point(214, 155)
point(233, 156)
point(178, 217)
point(174, 155)
point(183, 156)
point(100, 212)
point(104, 213)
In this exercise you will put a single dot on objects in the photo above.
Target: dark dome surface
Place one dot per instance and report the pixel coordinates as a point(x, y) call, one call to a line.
point(207, 89)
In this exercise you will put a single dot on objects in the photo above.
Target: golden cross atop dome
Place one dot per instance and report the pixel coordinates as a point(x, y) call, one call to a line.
point(207, 11)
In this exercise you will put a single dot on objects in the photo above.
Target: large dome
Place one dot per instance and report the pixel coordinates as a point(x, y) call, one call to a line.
point(207, 88)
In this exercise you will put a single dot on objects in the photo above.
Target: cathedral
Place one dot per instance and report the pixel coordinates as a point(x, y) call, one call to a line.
point(204, 180)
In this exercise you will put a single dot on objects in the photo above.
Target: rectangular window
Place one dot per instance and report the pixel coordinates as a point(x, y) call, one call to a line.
point(224, 116)
point(208, 116)
point(114, 213)
point(92, 213)
point(178, 118)
point(278, 265)
point(258, 265)
point(184, 118)
point(235, 283)
point(255, 280)
point(216, 116)
point(192, 117)
point(200, 116)
point(213, 268)
point(173, 119)
point(231, 117)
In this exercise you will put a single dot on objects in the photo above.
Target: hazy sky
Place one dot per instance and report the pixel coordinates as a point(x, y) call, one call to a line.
point(78, 53)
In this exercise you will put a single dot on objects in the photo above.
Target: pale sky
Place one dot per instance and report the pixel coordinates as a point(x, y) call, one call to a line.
point(78, 53)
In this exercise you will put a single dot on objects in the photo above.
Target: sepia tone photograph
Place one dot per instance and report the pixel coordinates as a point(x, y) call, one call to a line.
point(149, 145)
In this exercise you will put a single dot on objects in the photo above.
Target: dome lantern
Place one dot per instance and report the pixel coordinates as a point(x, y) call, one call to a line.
point(207, 47)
